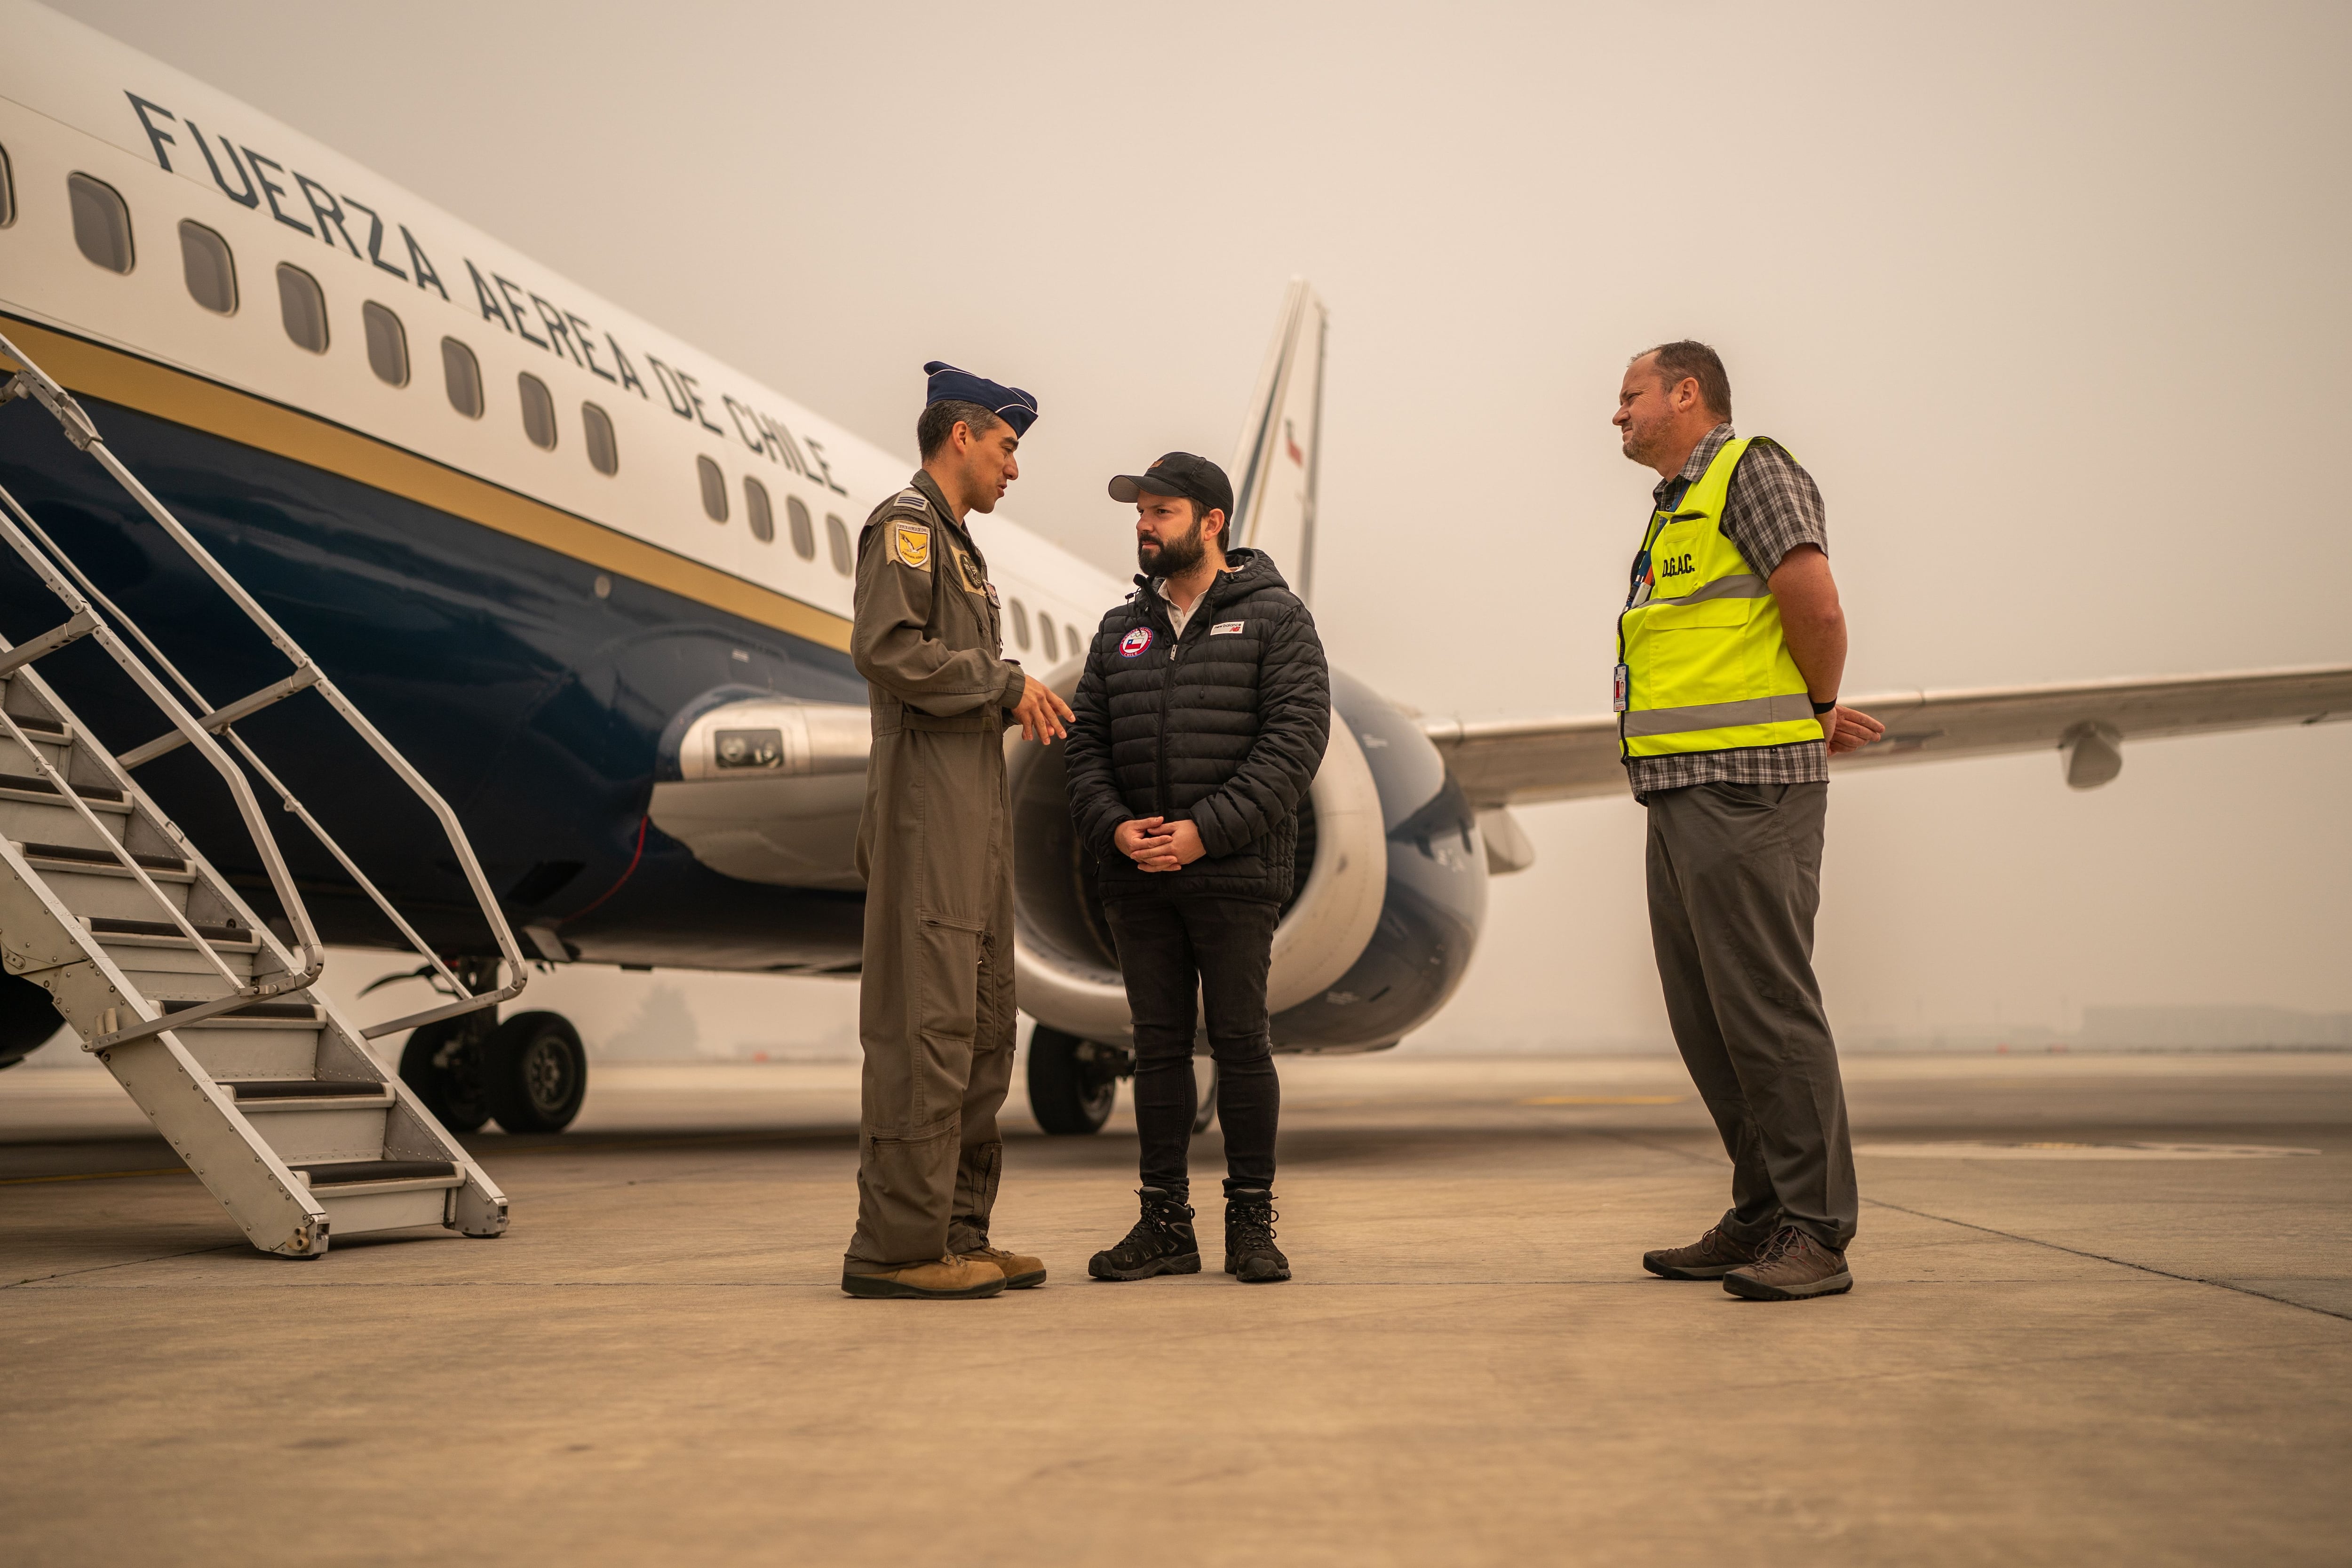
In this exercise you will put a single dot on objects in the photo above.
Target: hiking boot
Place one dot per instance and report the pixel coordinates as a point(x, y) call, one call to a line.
point(951, 1278)
point(1020, 1270)
point(1791, 1266)
point(1251, 1256)
point(1161, 1242)
point(1711, 1257)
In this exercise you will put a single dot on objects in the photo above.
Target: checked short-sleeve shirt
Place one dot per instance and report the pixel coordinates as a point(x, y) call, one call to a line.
point(1773, 506)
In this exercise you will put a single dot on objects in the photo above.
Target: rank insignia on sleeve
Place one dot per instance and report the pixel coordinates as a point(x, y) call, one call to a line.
point(912, 499)
point(911, 542)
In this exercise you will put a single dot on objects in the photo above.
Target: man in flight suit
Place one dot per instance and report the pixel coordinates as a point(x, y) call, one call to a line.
point(935, 1004)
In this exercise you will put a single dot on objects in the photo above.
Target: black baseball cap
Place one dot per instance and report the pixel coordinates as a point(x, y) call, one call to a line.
point(1179, 474)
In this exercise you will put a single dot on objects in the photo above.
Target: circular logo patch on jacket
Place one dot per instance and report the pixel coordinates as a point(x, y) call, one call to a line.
point(1135, 642)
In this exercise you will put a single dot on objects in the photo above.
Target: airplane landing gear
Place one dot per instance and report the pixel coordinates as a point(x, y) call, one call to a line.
point(534, 1073)
point(1073, 1083)
point(528, 1071)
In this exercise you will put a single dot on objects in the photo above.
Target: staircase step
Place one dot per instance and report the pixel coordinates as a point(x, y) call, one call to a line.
point(31, 785)
point(345, 1173)
point(251, 1013)
point(303, 1088)
point(99, 857)
point(35, 724)
point(113, 931)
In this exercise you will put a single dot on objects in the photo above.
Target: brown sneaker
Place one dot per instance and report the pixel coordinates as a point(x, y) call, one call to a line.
point(1020, 1270)
point(1791, 1266)
point(951, 1278)
point(1711, 1257)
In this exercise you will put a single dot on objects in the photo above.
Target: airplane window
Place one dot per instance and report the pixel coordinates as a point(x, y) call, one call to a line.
point(836, 534)
point(387, 344)
point(302, 307)
point(757, 512)
point(803, 530)
point(604, 452)
point(464, 374)
point(1019, 623)
point(714, 488)
point(7, 192)
point(102, 223)
point(210, 270)
point(538, 411)
point(1046, 632)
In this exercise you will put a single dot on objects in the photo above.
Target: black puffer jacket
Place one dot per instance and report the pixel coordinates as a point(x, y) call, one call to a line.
point(1225, 727)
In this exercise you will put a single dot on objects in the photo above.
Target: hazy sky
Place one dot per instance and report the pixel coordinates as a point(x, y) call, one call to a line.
point(2049, 298)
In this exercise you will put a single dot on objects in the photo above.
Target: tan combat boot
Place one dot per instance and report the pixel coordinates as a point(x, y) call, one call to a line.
point(1020, 1270)
point(951, 1278)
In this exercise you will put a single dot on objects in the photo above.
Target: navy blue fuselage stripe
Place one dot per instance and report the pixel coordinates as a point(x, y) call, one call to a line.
point(535, 707)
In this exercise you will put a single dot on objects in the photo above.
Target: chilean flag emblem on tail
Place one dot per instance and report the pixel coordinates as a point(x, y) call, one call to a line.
point(1135, 642)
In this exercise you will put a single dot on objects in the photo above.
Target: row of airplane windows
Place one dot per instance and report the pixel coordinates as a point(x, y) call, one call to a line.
point(101, 227)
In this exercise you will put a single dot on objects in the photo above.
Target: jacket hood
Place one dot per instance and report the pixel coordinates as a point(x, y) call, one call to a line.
point(1246, 571)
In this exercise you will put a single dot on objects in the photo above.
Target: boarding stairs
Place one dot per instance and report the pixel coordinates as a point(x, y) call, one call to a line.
point(204, 1012)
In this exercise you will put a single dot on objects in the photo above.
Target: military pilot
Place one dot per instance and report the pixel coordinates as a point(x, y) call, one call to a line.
point(935, 1005)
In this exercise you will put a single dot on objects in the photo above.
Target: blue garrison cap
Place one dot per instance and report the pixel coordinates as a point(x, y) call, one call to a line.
point(1009, 403)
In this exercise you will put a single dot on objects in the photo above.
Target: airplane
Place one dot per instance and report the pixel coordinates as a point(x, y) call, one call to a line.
point(596, 585)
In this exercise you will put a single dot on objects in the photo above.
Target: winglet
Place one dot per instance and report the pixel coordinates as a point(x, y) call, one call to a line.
point(1276, 464)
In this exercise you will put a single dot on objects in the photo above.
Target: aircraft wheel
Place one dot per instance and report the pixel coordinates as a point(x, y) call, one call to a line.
point(443, 1064)
point(27, 1019)
point(1204, 1082)
point(1073, 1083)
point(534, 1073)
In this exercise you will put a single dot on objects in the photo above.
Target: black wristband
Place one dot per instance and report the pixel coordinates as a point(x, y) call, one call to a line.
point(1821, 708)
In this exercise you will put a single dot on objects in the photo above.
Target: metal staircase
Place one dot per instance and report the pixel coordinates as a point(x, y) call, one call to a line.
point(202, 1011)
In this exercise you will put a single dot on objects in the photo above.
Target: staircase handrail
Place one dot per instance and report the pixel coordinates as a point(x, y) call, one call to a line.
point(30, 381)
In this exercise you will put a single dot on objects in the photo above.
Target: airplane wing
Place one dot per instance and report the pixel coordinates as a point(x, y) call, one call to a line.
point(1515, 762)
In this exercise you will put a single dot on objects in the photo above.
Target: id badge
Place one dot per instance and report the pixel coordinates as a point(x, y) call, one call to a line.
point(1621, 689)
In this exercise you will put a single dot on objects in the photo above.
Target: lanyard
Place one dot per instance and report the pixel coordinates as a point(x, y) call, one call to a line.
point(1668, 511)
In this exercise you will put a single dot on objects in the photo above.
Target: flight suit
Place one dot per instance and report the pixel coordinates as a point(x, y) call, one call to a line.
point(935, 1004)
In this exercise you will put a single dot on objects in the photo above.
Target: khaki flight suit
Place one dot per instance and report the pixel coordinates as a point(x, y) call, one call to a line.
point(935, 1003)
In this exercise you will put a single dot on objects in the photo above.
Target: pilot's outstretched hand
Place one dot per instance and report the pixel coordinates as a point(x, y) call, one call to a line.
point(1043, 717)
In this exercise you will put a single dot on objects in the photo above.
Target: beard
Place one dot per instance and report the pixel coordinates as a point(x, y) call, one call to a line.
point(1173, 558)
point(1642, 445)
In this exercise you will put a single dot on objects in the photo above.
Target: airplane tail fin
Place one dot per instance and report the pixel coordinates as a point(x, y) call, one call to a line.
point(1276, 464)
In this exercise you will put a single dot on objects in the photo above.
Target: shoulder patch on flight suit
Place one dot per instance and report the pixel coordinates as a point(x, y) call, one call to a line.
point(911, 499)
point(910, 541)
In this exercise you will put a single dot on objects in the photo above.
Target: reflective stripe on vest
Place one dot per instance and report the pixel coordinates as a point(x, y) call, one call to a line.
point(1707, 668)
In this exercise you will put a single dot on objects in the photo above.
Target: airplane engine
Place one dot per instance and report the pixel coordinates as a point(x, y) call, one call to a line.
point(1391, 895)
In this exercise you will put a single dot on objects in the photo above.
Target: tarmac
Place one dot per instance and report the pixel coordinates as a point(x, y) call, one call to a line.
point(2072, 1339)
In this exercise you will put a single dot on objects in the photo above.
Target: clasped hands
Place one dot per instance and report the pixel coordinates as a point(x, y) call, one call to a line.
point(1156, 844)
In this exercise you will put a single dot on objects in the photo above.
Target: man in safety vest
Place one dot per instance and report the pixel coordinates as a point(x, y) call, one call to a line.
point(1729, 653)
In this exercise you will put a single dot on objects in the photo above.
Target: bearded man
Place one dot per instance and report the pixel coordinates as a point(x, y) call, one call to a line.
point(1197, 728)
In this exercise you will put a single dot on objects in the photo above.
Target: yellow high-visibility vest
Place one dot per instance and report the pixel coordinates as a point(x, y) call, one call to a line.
point(1704, 665)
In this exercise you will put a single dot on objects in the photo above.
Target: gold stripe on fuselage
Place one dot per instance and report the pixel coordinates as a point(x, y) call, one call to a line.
point(82, 366)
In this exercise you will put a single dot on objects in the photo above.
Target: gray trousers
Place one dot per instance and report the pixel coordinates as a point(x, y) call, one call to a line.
point(1734, 880)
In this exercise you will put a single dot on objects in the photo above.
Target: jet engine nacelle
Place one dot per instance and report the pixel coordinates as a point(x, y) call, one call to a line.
point(1390, 894)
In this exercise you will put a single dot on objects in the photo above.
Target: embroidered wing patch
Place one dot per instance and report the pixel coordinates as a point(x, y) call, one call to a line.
point(911, 542)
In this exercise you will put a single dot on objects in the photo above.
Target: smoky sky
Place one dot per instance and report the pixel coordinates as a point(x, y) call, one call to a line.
point(2048, 298)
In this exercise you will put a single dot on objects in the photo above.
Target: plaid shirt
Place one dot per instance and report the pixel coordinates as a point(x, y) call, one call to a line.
point(1773, 506)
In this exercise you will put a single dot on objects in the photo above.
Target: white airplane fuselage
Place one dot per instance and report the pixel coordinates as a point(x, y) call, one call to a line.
point(422, 500)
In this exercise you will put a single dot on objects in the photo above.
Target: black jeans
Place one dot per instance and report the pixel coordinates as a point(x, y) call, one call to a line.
point(1168, 948)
